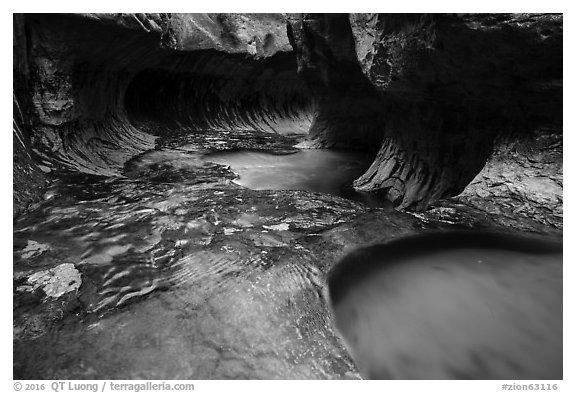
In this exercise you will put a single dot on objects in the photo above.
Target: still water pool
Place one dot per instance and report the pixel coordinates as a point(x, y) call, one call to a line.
point(171, 271)
point(316, 170)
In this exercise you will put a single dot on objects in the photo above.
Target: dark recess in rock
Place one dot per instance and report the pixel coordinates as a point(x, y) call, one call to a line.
point(431, 96)
point(437, 90)
point(219, 90)
point(88, 85)
point(186, 274)
point(346, 103)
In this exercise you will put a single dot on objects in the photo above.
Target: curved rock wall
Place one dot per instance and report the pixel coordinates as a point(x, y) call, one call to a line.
point(521, 182)
point(437, 90)
point(428, 95)
point(218, 90)
point(346, 104)
point(89, 82)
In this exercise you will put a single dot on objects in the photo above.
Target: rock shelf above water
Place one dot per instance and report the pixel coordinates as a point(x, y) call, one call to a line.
point(137, 257)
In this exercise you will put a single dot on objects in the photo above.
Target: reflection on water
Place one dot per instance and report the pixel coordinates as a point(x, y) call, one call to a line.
point(183, 276)
point(316, 170)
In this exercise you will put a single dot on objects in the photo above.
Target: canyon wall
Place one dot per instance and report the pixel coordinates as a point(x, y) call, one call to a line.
point(433, 97)
point(92, 90)
point(434, 94)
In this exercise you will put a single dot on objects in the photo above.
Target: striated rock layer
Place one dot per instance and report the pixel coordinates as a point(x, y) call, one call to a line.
point(139, 258)
point(432, 92)
point(86, 86)
point(428, 95)
point(520, 187)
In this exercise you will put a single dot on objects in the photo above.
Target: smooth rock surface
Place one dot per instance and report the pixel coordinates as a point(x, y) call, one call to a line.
point(190, 275)
point(184, 274)
point(435, 92)
point(86, 85)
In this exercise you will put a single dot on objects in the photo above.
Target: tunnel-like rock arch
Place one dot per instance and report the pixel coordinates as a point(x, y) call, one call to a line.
point(130, 225)
point(430, 96)
point(85, 85)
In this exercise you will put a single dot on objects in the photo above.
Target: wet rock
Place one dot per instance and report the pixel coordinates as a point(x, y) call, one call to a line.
point(106, 255)
point(175, 167)
point(34, 249)
point(54, 282)
point(208, 141)
point(435, 92)
point(266, 240)
point(43, 299)
point(278, 227)
point(213, 280)
point(230, 231)
point(188, 275)
point(521, 185)
point(248, 298)
point(87, 84)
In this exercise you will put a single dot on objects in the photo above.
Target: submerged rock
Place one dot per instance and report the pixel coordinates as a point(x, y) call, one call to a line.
point(33, 249)
point(149, 262)
point(210, 279)
point(185, 279)
point(278, 227)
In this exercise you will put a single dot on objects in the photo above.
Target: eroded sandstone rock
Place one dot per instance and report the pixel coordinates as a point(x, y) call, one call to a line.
point(434, 92)
point(87, 84)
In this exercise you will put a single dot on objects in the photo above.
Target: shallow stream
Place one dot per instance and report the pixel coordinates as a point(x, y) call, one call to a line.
point(171, 270)
point(316, 170)
point(205, 258)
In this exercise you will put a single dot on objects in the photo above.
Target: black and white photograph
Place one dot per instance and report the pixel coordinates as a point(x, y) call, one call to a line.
point(287, 196)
